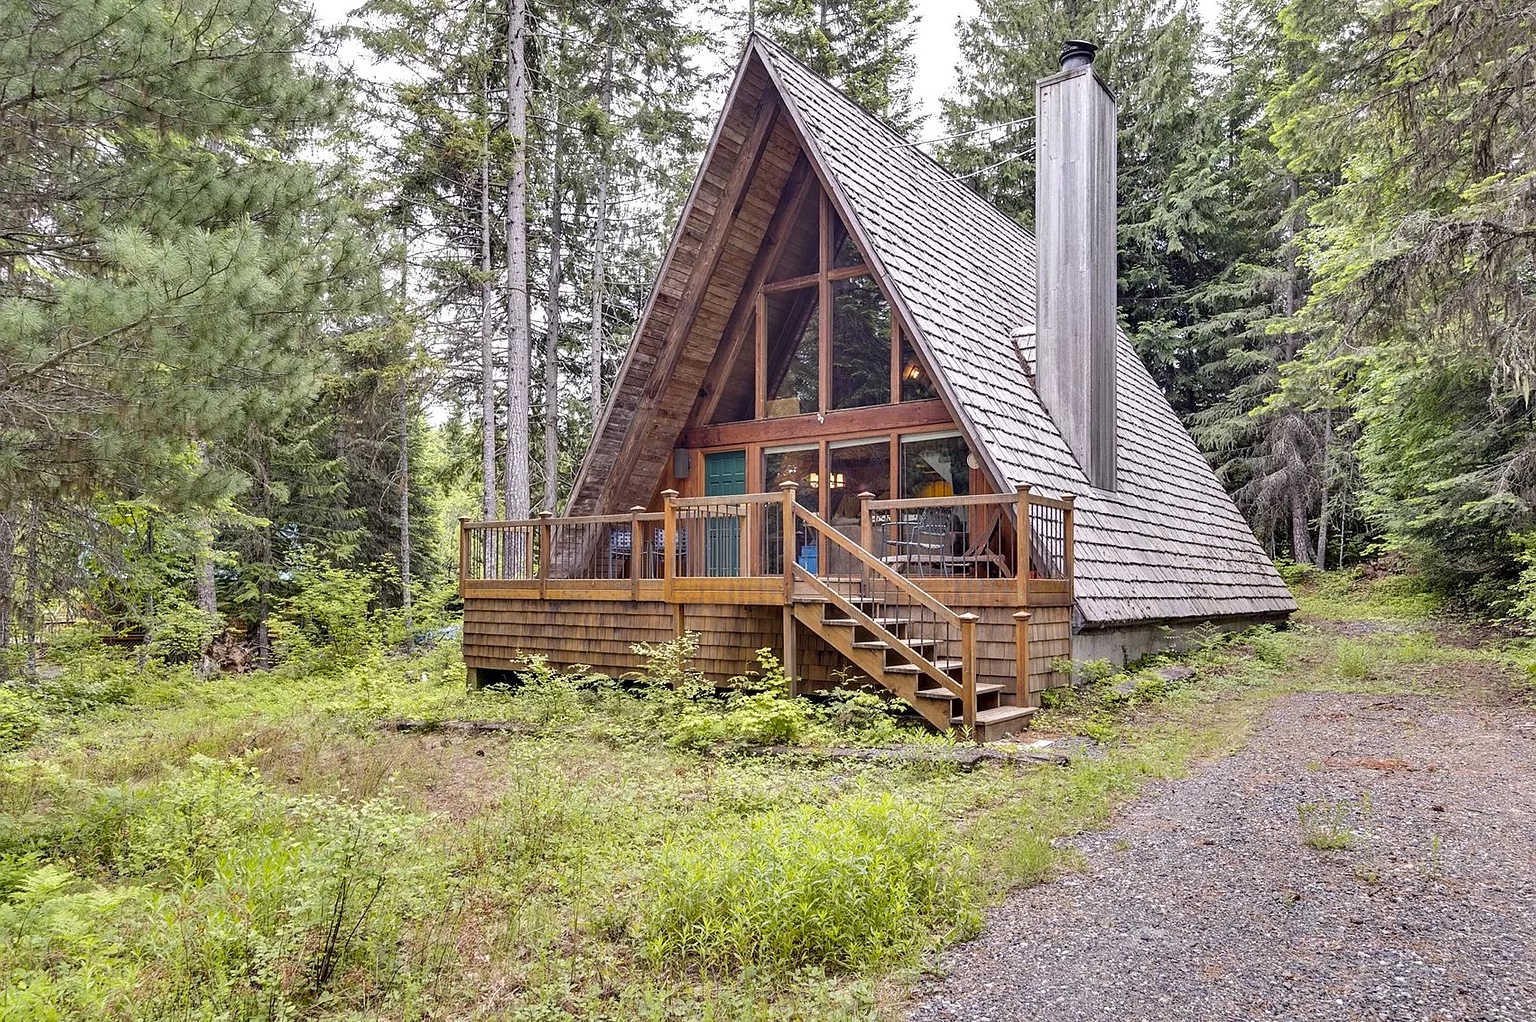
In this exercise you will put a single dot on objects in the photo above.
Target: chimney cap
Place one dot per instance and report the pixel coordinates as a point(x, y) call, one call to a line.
point(1077, 53)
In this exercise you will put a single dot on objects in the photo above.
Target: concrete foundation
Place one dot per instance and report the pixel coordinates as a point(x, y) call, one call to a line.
point(1124, 645)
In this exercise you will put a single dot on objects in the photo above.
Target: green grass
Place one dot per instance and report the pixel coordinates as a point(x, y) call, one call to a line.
point(1328, 826)
point(1345, 596)
point(257, 847)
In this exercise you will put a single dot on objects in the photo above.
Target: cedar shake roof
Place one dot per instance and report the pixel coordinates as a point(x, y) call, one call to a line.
point(1168, 544)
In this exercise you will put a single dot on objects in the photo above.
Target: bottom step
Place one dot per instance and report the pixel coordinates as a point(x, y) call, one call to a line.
point(999, 721)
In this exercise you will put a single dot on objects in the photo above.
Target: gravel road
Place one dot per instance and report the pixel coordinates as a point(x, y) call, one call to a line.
point(1202, 901)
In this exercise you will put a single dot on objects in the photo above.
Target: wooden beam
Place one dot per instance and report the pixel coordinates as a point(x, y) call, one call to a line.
point(824, 330)
point(793, 283)
point(801, 184)
point(710, 249)
point(759, 370)
point(847, 422)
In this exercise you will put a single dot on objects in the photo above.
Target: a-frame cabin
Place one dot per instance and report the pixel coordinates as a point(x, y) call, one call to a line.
point(833, 420)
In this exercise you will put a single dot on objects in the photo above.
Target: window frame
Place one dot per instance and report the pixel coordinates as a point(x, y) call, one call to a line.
point(826, 275)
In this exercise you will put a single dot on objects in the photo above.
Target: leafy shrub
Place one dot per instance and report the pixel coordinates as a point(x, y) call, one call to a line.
point(20, 719)
point(326, 623)
point(862, 881)
point(180, 630)
point(210, 896)
point(90, 680)
point(48, 916)
point(864, 717)
point(670, 664)
point(1268, 647)
point(1356, 660)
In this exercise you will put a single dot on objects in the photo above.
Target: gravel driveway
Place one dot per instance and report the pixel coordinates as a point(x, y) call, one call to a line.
point(1203, 901)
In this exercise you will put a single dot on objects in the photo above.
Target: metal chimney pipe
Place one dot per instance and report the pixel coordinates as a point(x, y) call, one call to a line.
point(1077, 53)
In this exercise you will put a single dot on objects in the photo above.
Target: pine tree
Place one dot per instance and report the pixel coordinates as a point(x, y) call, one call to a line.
point(167, 246)
point(1149, 56)
point(1272, 447)
point(864, 47)
point(1421, 257)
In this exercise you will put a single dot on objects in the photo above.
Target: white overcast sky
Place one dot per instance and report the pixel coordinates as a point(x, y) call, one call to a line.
point(937, 50)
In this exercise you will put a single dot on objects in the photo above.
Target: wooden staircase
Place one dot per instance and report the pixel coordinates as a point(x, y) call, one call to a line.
point(888, 664)
point(902, 638)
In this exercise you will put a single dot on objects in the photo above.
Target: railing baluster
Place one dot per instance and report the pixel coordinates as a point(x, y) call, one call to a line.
point(788, 552)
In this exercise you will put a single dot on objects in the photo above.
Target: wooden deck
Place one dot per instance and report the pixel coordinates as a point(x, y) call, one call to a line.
point(924, 597)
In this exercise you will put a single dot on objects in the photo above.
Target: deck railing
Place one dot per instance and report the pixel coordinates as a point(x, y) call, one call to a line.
point(695, 540)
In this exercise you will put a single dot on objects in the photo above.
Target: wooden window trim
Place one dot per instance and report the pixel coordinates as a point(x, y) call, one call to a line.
point(929, 415)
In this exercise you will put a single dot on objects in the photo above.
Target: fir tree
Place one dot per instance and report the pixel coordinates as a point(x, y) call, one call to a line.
point(1149, 56)
point(864, 47)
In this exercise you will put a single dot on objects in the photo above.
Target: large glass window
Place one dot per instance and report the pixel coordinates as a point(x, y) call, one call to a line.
point(861, 344)
point(738, 391)
point(794, 372)
point(934, 465)
point(799, 464)
point(855, 466)
point(847, 253)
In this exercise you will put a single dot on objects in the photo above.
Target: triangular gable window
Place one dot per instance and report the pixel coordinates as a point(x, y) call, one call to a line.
point(822, 336)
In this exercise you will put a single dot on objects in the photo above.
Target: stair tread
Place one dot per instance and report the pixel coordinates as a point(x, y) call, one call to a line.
point(943, 665)
point(881, 644)
point(984, 689)
point(848, 622)
point(999, 715)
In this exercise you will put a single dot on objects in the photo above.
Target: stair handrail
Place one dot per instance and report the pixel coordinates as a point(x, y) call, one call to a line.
point(965, 624)
point(863, 620)
point(885, 571)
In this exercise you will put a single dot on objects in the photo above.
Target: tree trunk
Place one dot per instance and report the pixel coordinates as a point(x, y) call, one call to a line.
point(203, 577)
point(7, 588)
point(487, 346)
point(405, 448)
point(264, 558)
point(1322, 485)
point(552, 317)
point(518, 495)
point(30, 609)
point(405, 512)
point(1301, 540)
point(599, 249)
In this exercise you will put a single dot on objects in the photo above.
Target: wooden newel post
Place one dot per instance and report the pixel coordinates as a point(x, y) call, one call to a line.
point(1021, 693)
point(669, 541)
point(636, 551)
point(866, 527)
point(1069, 541)
point(787, 491)
point(544, 538)
point(968, 669)
point(463, 553)
point(1022, 553)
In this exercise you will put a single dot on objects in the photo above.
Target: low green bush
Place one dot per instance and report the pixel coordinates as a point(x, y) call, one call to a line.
point(209, 895)
point(864, 880)
point(179, 630)
point(20, 719)
point(1356, 660)
point(327, 623)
